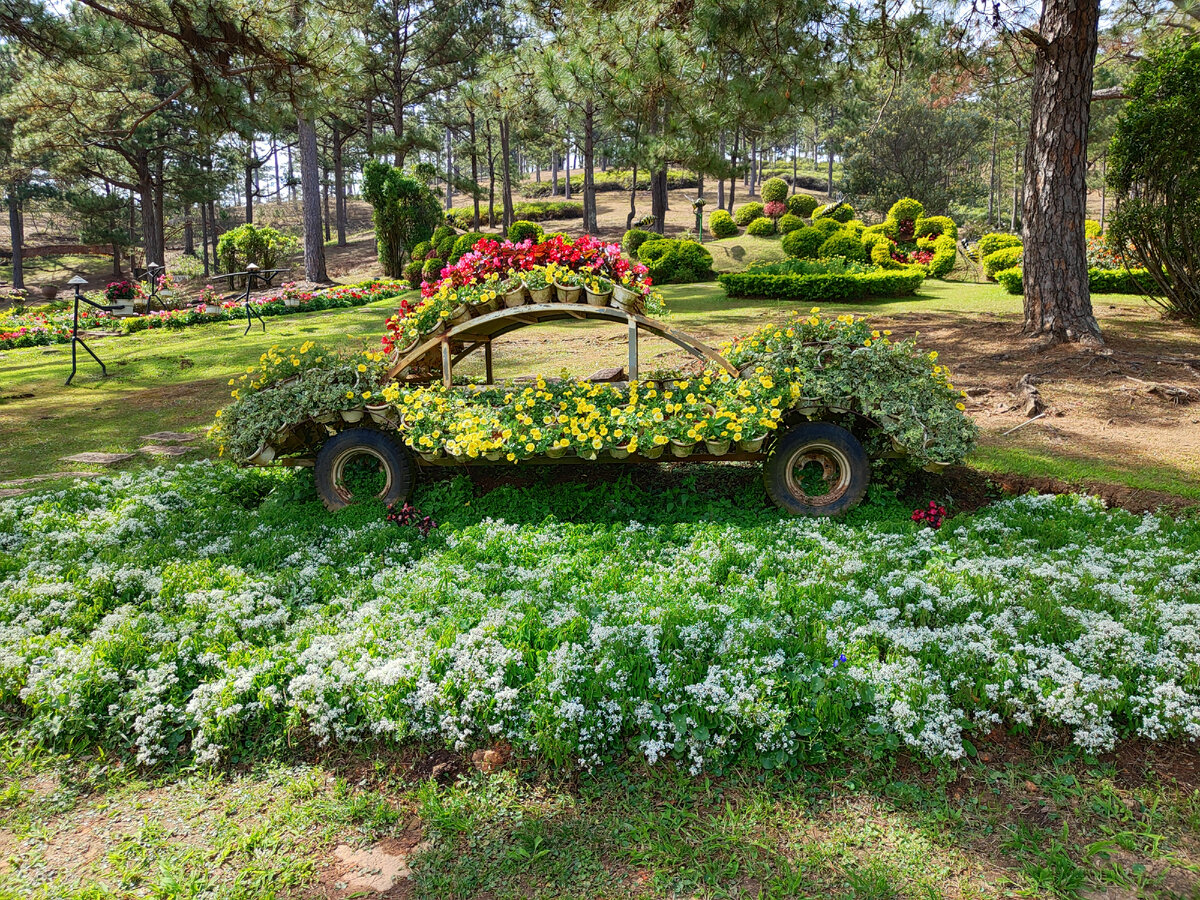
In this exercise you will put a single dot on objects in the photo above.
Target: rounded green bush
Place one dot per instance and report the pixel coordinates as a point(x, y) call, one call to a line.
point(761, 227)
point(747, 213)
point(522, 230)
point(633, 240)
point(432, 269)
point(774, 189)
point(463, 244)
point(801, 205)
point(932, 226)
point(1004, 258)
point(1091, 228)
point(676, 262)
point(906, 209)
point(827, 227)
point(838, 212)
point(721, 224)
point(945, 253)
point(413, 271)
point(803, 243)
point(421, 251)
point(843, 244)
point(996, 240)
point(789, 222)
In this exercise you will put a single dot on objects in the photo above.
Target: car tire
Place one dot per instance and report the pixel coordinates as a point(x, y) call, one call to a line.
point(842, 468)
point(356, 443)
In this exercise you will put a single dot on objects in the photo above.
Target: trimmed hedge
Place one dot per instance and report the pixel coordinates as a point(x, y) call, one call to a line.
point(821, 288)
point(996, 240)
point(523, 230)
point(789, 222)
point(1100, 281)
point(838, 212)
point(1001, 259)
point(676, 262)
point(945, 254)
point(761, 227)
point(801, 205)
point(932, 226)
point(432, 270)
point(634, 238)
point(721, 224)
point(463, 244)
point(747, 213)
point(843, 244)
point(774, 189)
point(613, 180)
point(803, 243)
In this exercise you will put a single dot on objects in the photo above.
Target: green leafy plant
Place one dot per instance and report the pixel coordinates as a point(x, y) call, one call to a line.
point(774, 190)
point(747, 213)
point(633, 240)
point(261, 245)
point(996, 240)
point(822, 288)
point(761, 227)
point(844, 244)
point(838, 212)
point(1005, 258)
point(404, 210)
point(802, 205)
point(523, 231)
point(790, 222)
point(803, 243)
point(721, 224)
point(676, 262)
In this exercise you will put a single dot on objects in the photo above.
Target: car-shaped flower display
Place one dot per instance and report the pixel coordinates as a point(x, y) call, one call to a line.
point(815, 398)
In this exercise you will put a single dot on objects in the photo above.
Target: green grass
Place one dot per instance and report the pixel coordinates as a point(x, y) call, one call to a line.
point(736, 253)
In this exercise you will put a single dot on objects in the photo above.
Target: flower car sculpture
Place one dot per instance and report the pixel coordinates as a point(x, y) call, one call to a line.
point(814, 398)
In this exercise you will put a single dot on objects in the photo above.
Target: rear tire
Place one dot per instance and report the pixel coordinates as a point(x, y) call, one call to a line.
point(817, 469)
point(357, 444)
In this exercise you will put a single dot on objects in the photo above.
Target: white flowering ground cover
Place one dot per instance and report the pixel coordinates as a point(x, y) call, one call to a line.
point(179, 614)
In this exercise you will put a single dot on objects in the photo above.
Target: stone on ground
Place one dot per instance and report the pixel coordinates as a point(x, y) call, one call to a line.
point(99, 459)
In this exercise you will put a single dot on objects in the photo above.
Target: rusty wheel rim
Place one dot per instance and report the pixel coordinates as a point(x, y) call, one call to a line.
point(834, 473)
point(348, 456)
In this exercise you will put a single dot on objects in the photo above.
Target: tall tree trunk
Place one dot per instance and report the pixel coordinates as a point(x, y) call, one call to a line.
point(369, 127)
point(310, 192)
point(491, 158)
point(325, 201)
point(567, 173)
point(632, 199)
point(1016, 198)
point(506, 174)
point(249, 182)
point(589, 172)
point(993, 213)
point(151, 229)
point(474, 170)
point(339, 184)
point(658, 198)
point(737, 133)
point(291, 176)
point(554, 173)
point(204, 237)
point(752, 173)
point(189, 237)
point(721, 181)
point(1058, 304)
point(449, 170)
point(795, 162)
point(16, 226)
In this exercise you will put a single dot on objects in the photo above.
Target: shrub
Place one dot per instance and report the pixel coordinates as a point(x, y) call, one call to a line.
point(906, 209)
point(1091, 228)
point(996, 240)
point(1100, 281)
point(761, 227)
point(543, 210)
point(413, 271)
point(422, 250)
point(443, 240)
point(721, 224)
point(803, 243)
point(404, 211)
point(1004, 258)
point(258, 244)
point(561, 235)
point(523, 230)
point(801, 205)
point(843, 244)
point(932, 226)
point(634, 238)
point(839, 212)
point(463, 244)
point(822, 288)
point(676, 262)
point(747, 213)
point(828, 227)
point(773, 209)
point(945, 253)
point(432, 270)
point(789, 222)
point(1012, 280)
point(774, 189)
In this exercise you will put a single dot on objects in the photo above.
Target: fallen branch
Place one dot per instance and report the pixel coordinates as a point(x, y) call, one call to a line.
point(1029, 398)
point(1176, 393)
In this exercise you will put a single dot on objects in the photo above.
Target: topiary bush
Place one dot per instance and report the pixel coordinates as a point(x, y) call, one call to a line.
point(413, 272)
point(774, 190)
point(801, 205)
point(721, 224)
point(945, 253)
point(676, 262)
point(258, 244)
point(747, 213)
point(838, 212)
point(1004, 258)
point(634, 238)
point(404, 210)
point(827, 227)
point(906, 209)
point(996, 240)
point(464, 243)
point(522, 230)
point(761, 227)
point(843, 244)
point(803, 243)
point(789, 222)
point(933, 226)
point(422, 250)
point(432, 270)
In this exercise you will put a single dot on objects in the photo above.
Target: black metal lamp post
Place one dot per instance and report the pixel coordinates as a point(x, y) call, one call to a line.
point(76, 341)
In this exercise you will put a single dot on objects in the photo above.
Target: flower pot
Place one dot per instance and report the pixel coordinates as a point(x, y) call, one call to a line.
point(381, 414)
point(587, 453)
point(494, 455)
point(541, 295)
point(461, 313)
point(292, 302)
point(566, 293)
point(717, 448)
point(486, 306)
point(352, 415)
point(430, 456)
point(556, 452)
point(325, 418)
point(619, 452)
point(682, 448)
point(654, 451)
point(263, 455)
point(600, 299)
point(513, 298)
point(752, 446)
point(626, 299)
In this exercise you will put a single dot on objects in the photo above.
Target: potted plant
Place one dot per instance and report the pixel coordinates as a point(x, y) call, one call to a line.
point(599, 291)
point(512, 292)
point(538, 284)
point(626, 295)
point(568, 286)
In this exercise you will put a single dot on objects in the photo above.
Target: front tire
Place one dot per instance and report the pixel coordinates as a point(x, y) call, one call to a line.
point(817, 469)
point(363, 444)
